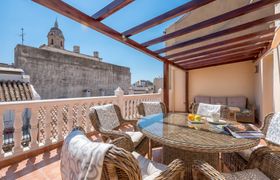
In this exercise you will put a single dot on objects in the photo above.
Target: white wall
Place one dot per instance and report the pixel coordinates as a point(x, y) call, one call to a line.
point(226, 80)
point(177, 91)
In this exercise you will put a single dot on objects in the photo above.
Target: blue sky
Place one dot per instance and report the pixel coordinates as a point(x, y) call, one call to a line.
point(37, 21)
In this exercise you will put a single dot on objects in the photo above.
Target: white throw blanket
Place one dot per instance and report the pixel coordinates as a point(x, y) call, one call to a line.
point(152, 108)
point(208, 109)
point(82, 158)
point(273, 131)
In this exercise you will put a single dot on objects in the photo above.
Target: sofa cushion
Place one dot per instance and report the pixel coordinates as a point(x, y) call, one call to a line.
point(237, 101)
point(149, 169)
point(219, 100)
point(202, 99)
point(248, 174)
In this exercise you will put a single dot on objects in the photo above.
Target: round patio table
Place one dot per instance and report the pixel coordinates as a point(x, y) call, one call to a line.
point(188, 142)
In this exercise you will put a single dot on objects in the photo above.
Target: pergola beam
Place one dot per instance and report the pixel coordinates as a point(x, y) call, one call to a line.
point(110, 9)
point(239, 46)
point(221, 58)
point(225, 32)
point(73, 13)
point(254, 35)
point(210, 22)
point(221, 54)
point(227, 56)
point(228, 61)
point(185, 8)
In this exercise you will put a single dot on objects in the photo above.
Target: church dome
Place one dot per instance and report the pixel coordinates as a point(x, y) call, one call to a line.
point(55, 31)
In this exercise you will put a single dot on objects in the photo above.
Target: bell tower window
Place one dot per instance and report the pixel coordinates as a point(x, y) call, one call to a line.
point(51, 41)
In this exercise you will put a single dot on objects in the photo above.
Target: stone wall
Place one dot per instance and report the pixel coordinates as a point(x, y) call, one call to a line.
point(59, 75)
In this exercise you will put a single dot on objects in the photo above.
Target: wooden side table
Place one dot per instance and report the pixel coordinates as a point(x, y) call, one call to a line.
point(233, 111)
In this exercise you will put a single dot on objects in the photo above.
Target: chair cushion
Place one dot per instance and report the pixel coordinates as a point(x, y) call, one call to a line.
point(219, 100)
point(208, 109)
point(248, 174)
point(149, 169)
point(152, 108)
point(273, 131)
point(107, 115)
point(136, 137)
point(237, 101)
point(202, 99)
point(245, 154)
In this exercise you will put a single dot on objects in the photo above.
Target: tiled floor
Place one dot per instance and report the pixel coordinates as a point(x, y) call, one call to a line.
point(44, 166)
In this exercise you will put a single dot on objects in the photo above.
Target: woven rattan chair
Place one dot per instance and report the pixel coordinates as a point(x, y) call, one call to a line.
point(224, 110)
point(153, 108)
point(149, 169)
point(149, 108)
point(121, 164)
point(239, 160)
point(264, 164)
point(107, 124)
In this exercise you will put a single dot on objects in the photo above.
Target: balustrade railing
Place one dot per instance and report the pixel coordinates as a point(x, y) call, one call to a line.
point(49, 121)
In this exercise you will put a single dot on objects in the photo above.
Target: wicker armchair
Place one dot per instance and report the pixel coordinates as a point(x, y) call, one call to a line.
point(224, 110)
point(154, 108)
point(118, 163)
point(239, 160)
point(149, 108)
point(109, 121)
point(264, 164)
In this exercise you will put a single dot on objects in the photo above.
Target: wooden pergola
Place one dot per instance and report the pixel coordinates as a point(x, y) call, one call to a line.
point(246, 47)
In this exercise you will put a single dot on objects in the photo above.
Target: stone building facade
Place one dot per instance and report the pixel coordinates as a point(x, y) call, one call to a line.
point(58, 73)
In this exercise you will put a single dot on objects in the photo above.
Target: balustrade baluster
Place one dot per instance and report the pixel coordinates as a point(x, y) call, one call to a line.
point(70, 118)
point(79, 115)
point(18, 122)
point(88, 126)
point(59, 122)
point(34, 130)
point(47, 127)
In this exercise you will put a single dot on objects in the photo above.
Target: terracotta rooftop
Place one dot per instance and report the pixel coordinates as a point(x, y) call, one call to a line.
point(15, 91)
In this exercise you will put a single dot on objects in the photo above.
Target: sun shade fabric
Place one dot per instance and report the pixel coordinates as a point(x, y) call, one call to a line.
point(82, 158)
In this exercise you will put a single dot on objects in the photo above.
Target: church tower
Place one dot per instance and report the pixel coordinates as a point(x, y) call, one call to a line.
point(55, 37)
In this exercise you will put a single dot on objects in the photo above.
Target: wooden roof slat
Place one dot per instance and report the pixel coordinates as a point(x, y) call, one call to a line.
point(218, 54)
point(73, 13)
point(185, 8)
point(110, 9)
point(212, 21)
point(229, 61)
point(225, 59)
point(227, 56)
point(224, 42)
point(245, 44)
point(221, 33)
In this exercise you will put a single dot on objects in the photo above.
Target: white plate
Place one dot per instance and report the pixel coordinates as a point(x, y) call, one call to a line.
point(220, 122)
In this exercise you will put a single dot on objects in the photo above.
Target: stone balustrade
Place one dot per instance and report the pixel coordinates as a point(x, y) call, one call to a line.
point(49, 121)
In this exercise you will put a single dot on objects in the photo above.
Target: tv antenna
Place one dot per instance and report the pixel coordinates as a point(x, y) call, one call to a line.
point(22, 34)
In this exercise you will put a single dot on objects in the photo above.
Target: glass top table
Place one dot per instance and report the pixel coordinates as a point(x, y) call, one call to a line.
point(183, 140)
point(176, 131)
